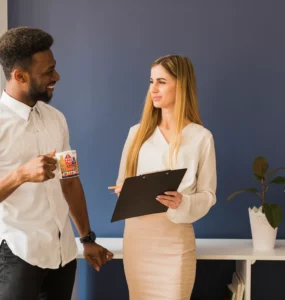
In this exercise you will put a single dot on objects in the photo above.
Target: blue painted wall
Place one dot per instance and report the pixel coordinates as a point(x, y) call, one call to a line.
point(104, 50)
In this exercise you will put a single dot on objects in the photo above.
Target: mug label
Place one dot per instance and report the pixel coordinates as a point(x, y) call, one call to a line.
point(68, 164)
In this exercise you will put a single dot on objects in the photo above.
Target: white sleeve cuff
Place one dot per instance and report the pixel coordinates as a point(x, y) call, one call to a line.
point(181, 213)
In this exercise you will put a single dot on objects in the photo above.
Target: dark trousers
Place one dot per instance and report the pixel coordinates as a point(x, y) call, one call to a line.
point(22, 281)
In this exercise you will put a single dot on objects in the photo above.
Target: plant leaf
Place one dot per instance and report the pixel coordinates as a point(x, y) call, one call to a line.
point(260, 166)
point(273, 213)
point(249, 190)
point(278, 180)
point(273, 172)
point(257, 177)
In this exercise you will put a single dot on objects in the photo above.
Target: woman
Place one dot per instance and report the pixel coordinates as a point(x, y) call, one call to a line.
point(159, 249)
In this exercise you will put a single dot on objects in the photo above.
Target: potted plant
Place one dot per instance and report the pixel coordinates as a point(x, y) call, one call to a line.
point(264, 221)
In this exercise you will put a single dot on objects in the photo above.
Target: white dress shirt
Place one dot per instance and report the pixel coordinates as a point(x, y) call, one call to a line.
point(32, 217)
point(196, 153)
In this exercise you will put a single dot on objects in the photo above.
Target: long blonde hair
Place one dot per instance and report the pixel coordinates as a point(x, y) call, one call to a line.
point(186, 107)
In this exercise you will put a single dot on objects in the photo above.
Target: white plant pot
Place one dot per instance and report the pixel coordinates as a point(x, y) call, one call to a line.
point(263, 235)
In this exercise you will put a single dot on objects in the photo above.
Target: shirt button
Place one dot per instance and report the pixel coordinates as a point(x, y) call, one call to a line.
point(32, 109)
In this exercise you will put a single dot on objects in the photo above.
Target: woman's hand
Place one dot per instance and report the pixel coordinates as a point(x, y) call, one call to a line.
point(118, 190)
point(170, 199)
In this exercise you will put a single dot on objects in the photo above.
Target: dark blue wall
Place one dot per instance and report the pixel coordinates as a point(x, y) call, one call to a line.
point(104, 50)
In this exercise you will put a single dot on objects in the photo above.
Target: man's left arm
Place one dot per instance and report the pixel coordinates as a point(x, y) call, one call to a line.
point(73, 192)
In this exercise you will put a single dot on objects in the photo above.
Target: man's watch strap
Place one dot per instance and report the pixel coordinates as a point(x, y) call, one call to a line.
point(90, 238)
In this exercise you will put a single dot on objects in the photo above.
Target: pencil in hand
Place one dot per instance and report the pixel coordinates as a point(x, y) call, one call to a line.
point(113, 187)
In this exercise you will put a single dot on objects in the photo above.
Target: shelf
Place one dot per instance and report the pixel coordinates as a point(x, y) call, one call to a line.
point(240, 250)
point(208, 249)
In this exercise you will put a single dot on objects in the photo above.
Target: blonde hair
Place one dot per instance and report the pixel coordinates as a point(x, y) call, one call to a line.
point(186, 107)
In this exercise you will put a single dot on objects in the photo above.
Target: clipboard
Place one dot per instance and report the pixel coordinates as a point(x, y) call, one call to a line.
point(138, 194)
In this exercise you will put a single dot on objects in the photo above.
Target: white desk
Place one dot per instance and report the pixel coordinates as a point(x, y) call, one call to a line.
point(214, 249)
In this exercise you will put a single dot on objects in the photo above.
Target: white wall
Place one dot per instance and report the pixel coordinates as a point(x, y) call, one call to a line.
point(3, 28)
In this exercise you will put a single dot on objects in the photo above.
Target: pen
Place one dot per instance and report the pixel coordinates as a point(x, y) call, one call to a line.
point(113, 187)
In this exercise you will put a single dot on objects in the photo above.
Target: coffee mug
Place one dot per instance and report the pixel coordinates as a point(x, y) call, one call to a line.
point(67, 164)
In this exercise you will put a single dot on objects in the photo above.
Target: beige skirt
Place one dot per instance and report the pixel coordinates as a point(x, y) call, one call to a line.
point(159, 258)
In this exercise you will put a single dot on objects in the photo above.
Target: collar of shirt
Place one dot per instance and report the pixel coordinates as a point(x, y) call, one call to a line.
point(21, 109)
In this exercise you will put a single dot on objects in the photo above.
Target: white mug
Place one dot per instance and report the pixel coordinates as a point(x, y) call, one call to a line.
point(67, 164)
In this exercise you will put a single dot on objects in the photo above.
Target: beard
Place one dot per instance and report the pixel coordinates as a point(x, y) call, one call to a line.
point(35, 95)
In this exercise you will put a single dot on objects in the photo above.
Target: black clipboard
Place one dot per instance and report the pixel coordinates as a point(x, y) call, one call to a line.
point(138, 194)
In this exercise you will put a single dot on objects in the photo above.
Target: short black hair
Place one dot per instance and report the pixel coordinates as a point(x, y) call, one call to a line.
point(18, 45)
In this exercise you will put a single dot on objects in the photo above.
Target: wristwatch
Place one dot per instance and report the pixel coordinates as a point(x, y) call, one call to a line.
point(90, 238)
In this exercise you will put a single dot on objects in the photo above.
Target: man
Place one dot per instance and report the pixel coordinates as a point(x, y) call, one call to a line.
point(37, 246)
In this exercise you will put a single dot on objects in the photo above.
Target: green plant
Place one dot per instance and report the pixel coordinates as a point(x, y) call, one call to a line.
point(273, 212)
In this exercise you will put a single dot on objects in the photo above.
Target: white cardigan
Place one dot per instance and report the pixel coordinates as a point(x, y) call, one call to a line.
point(196, 153)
